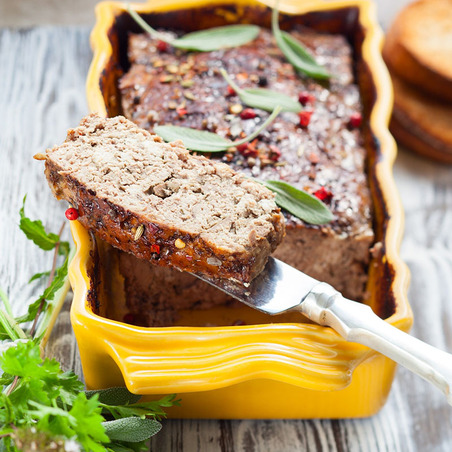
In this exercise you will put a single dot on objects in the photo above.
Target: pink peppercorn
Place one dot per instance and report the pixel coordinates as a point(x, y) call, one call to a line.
point(305, 98)
point(355, 120)
point(162, 46)
point(71, 214)
point(323, 194)
point(248, 113)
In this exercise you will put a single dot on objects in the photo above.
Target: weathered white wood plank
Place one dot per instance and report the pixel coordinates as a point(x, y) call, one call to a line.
point(42, 76)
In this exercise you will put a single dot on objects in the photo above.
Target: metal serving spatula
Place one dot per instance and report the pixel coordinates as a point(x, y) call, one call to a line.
point(281, 287)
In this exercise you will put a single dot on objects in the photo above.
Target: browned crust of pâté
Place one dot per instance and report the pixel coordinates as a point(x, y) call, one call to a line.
point(158, 243)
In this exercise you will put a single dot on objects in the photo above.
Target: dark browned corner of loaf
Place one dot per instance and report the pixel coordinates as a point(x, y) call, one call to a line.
point(162, 204)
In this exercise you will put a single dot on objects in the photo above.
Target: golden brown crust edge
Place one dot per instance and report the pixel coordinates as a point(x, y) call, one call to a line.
point(407, 134)
point(420, 123)
point(410, 67)
point(118, 226)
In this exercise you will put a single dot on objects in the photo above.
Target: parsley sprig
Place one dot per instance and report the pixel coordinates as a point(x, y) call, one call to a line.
point(40, 405)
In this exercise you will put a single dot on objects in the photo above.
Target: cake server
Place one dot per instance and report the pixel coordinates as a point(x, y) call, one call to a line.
point(281, 288)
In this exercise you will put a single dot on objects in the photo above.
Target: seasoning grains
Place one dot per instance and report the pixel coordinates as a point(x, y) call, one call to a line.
point(307, 158)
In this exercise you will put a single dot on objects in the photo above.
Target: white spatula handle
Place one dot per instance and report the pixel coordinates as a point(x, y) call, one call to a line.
point(356, 322)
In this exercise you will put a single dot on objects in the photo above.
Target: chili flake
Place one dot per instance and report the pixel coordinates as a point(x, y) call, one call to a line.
point(305, 118)
point(323, 194)
point(230, 91)
point(155, 249)
point(275, 153)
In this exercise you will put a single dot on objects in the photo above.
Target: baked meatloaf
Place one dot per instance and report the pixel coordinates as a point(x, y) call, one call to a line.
point(163, 204)
point(319, 150)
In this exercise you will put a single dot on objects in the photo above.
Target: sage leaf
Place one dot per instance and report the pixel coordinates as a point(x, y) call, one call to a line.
point(265, 99)
point(193, 139)
point(117, 447)
point(203, 141)
point(217, 38)
point(296, 53)
point(114, 396)
point(131, 429)
point(299, 203)
point(204, 40)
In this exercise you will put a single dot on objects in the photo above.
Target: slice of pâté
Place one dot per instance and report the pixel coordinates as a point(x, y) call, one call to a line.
point(160, 203)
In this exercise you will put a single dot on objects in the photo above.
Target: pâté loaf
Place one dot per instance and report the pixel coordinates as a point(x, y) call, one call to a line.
point(319, 150)
point(160, 203)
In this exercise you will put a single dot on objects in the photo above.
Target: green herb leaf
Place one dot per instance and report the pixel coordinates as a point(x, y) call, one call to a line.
point(265, 99)
point(35, 231)
point(296, 53)
point(6, 379)
point(300, 203)
point(152, 408)
point(89, 427)
point(114, 396)
point(131, 429)
point(204, 40)
point(202, 141)
point(6, 303)
point(37, 276)
point(195, 140)
point(9, 328)
point(115, 447)
point(48, 294)
point(42, 405)
point(83, 422)
point(217, 38)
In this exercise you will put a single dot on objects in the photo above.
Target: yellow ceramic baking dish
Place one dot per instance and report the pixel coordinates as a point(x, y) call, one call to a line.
point(262, 370)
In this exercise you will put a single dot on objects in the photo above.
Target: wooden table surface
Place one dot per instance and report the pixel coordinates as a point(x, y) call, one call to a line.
point(42, 76)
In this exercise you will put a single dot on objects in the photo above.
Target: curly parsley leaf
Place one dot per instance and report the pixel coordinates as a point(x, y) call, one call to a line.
point(53, 402)
point(83, 422)
point(40, 405)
